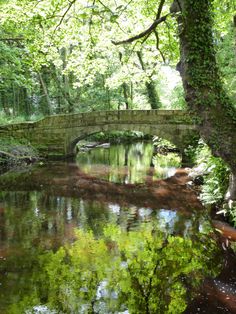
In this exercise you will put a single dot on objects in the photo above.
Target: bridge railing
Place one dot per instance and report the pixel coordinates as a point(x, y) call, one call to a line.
point(101, 117)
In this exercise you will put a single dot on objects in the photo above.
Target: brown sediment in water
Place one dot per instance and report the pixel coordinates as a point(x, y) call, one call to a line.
point(171, 193)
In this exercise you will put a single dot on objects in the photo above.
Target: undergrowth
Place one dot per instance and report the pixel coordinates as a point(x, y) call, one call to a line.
point(6, 119)
point(216, 179)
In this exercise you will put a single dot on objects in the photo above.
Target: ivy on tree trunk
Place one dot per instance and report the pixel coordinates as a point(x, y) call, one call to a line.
point(205, 95)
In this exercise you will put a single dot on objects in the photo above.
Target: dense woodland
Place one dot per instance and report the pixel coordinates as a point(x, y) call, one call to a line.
point(60, 56)
point(65, 56)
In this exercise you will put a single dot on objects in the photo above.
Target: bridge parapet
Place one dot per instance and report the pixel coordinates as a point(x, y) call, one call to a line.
point(134, 116)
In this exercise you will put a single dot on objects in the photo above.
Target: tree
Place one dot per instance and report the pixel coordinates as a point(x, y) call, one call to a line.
point(204, 90)
point(150, 85)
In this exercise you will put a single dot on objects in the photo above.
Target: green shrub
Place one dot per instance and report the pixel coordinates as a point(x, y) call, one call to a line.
point(216, 180)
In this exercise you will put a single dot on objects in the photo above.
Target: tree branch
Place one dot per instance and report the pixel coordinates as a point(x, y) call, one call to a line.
point(144, 33)
point(157, 46)
point(127, 4)
point(64, 15)
point(106, 7)
point(145, 38)
point(91, 23)
point(160, 9)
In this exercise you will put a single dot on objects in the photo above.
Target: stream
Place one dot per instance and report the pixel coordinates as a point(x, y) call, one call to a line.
point(117, 230)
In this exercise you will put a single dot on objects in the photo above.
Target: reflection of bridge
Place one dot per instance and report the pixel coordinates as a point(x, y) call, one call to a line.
point(56, 136)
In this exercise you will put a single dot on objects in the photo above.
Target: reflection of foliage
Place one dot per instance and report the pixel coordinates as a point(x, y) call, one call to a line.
point(158, 270)
point(167, 161)
point(142, 271)
point(138, 157)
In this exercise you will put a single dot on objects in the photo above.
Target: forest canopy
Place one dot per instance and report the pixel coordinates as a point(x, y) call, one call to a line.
point(59, 56)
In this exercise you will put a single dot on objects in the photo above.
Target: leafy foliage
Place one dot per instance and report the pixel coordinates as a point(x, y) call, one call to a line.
point(216, 180)
point(58, 56)
point(215, 172)
point(227, 61)
point(62, 57)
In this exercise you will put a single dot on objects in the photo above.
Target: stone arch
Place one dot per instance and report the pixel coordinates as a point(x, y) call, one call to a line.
point(171, 133)
point(56, 136)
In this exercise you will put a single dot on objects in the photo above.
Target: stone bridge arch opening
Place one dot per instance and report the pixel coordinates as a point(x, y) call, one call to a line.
point(172, 137)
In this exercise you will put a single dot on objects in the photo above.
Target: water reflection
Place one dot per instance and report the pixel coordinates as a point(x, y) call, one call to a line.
point(72, 243)
point(149, 255)
point(133, 163)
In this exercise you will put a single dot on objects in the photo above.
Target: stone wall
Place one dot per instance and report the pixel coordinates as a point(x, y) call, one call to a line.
point(56, 136)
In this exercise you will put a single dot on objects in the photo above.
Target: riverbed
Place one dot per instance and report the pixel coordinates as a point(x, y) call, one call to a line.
point(117, 230)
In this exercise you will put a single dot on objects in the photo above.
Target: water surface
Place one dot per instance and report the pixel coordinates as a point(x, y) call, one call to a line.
point(130, 163)
point(102, 235)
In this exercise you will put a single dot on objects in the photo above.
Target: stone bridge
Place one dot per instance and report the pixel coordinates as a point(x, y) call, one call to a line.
point(56, 136)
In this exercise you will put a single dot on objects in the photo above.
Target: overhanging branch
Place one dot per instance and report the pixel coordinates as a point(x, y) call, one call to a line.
point(160, 9)
point(144, 33)
point(157, 45)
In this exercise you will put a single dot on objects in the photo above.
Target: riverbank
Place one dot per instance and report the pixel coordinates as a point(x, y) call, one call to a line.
point(16, 154)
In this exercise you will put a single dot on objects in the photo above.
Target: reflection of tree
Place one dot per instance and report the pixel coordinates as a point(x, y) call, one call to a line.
point(126, 163)
point(142, 271)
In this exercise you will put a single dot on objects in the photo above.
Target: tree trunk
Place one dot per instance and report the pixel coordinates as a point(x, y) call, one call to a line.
point(205, 95)
point(125, 89)
point(45, 102)
point(67, 79)
point(150, 86)
point(108, 98)
point(152, 95)
point(4, 103)
point(23, 107)
point(64, 104)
